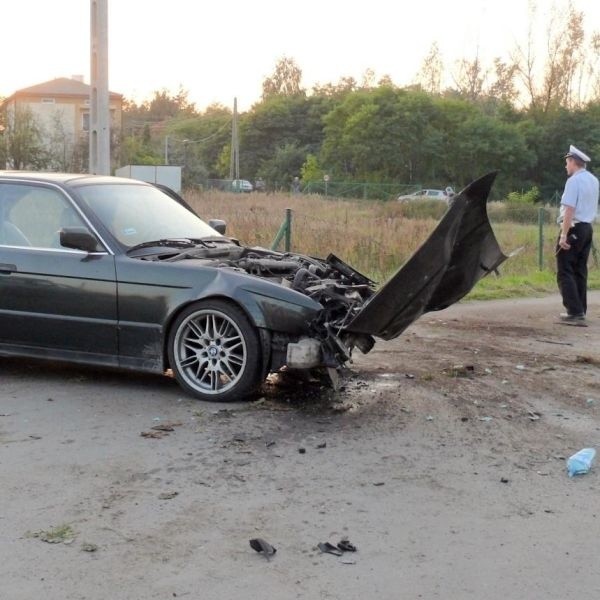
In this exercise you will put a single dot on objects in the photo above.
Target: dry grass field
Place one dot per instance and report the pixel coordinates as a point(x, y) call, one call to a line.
point(377, 237)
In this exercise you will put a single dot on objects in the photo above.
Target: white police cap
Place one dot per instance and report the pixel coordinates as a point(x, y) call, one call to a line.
point(577, 153)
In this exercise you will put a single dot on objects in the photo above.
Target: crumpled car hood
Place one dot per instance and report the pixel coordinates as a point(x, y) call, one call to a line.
point(460, 251)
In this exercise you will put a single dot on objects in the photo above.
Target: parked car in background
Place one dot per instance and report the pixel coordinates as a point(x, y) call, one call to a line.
point(428, 194)
point(241, 185)
point(118, 272)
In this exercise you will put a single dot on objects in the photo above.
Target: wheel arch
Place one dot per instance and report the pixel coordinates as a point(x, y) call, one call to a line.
point(263, 334)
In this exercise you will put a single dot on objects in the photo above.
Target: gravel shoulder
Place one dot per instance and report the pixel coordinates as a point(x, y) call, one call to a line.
point(442, 458)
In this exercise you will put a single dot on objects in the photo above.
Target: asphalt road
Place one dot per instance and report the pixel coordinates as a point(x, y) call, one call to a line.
point(442, 459)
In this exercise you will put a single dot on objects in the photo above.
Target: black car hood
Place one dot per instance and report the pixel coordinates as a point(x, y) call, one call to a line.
point(461, 250)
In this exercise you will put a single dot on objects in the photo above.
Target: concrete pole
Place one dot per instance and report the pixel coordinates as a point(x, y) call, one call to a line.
point(99, 101)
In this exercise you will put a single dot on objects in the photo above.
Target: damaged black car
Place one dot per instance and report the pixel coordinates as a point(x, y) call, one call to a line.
point(120, 273)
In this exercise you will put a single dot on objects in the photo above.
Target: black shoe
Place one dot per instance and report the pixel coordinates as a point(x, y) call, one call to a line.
point(569, 317)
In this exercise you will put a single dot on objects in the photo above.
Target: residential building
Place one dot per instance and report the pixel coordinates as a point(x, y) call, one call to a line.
point(60, 112)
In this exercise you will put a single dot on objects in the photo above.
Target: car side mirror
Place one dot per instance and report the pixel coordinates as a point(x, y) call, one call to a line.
point(78, 238)
point(219, 225)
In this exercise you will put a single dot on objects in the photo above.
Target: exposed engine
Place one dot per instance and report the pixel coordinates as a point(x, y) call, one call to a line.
point(340, 289)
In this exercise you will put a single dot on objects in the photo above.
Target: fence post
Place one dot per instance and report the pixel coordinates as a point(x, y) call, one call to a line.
point(541, 238)
point(288, 229)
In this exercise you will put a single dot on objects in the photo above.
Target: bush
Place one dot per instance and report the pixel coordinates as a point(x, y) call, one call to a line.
point(529, 197)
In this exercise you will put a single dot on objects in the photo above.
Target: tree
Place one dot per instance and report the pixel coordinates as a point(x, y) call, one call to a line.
point(60, 144)
point(311, 170)
point(286, 80)
point(567, 78)
point(208, 133)
point(25, 149)
point(503, 86)
point(429, 76)
point(280, 121)
point(470, 78)
point(285, 164)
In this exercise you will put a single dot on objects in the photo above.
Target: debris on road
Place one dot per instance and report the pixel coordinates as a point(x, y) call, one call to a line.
point(262, 546)
point(167, 495)
point(154, 434)
point(581, 462)
point(168, 426)
point(327, 548)
point(586, 359)
point(89, 547)
point(459, 371)
point(345, 545)
point(554, 342)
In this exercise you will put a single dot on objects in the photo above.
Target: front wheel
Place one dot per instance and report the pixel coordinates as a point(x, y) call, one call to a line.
point(214, 351)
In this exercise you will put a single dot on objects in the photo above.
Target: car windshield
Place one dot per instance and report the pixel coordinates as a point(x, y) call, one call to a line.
point(135, 214)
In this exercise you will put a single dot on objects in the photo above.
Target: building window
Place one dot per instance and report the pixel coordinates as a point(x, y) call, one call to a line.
point(85, 121)
point(48, 100)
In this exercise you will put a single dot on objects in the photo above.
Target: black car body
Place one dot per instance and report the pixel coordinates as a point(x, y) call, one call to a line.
point(116, 272)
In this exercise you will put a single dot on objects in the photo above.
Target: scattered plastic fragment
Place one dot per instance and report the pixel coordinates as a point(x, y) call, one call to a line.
point(581, 462)
point(345, 545)
point(263, 547)
point(328, 548)
point(167, 495)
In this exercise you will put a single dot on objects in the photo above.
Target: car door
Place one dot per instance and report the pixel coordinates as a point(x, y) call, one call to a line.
point(53, 300)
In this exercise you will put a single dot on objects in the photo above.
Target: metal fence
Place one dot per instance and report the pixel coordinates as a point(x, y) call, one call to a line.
point(532, 226)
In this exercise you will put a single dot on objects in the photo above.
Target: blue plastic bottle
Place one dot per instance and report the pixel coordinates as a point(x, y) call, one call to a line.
point(580, 462)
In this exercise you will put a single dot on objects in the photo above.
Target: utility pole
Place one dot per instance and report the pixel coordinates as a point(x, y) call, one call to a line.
point(234, 163)
point(99, 101)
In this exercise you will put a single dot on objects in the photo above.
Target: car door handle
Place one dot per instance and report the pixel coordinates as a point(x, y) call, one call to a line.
point(6, 269)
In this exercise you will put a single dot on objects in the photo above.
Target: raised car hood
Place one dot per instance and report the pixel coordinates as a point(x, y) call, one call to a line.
point(461, 250)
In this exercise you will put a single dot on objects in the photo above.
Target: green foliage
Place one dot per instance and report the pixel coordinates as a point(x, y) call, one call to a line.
point(283, 167)
point(531, 196)
point(24, 142)
point(137, 151)
point(311, 171)
point(381, 134)
point(286, 79)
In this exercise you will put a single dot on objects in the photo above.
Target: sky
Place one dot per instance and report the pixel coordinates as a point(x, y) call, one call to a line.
point(221, 50)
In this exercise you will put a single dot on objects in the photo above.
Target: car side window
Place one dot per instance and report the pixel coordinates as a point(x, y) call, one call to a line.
point(33, 216)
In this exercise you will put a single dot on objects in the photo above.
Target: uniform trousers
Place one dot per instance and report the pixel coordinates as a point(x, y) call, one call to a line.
point(572, 270)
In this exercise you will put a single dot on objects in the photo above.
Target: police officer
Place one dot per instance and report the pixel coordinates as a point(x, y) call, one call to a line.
point(578, 208)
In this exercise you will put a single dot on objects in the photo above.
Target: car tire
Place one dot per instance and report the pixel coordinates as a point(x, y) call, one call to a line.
point(214, 351)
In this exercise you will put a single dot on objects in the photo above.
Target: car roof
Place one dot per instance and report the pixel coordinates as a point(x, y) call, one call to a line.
point(65, 178)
